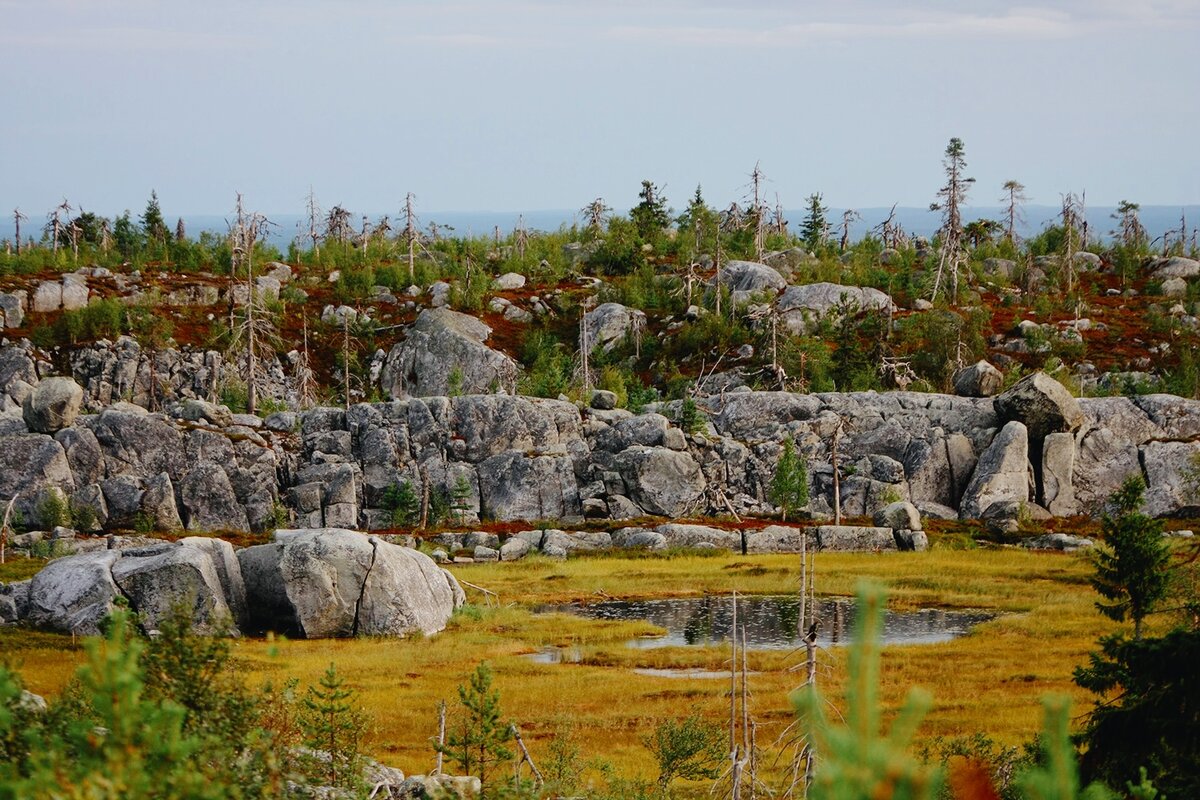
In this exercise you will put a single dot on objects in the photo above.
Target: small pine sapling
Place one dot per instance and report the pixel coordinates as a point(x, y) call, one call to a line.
point(482, 735)
point(333, 724)
point(1133, 572)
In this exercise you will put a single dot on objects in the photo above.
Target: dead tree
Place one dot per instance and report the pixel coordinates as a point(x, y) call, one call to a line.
point(848, 216)
point(54, 223)
point(1074, 235)
point(306, 382)
point(585, 345)
point(953, 255)
point(313, 215)
point(595, 213)
point(5, 529)
point(180, 231)
point(412, 234)
point(760, 212)
point(254, 329)
point(839, 428)
point(337, 225)
point(521, 237)
point(17, 217)
point(1014, 198)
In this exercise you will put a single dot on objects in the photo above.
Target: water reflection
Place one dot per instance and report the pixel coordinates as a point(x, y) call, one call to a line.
point(772, 622)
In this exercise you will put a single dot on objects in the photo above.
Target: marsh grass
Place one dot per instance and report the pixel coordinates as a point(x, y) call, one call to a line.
point(989, 681)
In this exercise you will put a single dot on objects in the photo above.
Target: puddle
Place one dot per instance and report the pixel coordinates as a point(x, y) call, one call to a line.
point(771, 622)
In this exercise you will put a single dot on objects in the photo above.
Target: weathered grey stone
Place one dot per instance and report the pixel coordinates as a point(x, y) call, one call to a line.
point(744, 279)
point(899, 516)
point(661, 481)
point(53, 405)
point(200, 411)
point(229, 572)
point(854, 538)
point(639, 538)
point(981, 379)
point(800, 304)
point(12, 310)
point(780, 539)
point(334, 582)
point(1064, 542)
point(209, 502)
point(515, 549)
point(1042, 404)
point(158, 503)
point(609, 323)
point(30, 465)
point(680, 535)
point(74, 293)
point(515, 486)
point(47, 297)
point(1170, 483)
point(911, 541)
point(443, 345)
point(155, 583)
point(603, 400)
point(1058, 469)
point(508, 282)
point(1173, 267)
point(482, 553)
point(14, 602)
point(1002, 472)
point(74, 594)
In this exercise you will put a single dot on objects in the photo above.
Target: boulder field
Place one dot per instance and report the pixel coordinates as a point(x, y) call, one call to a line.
point(193, 465)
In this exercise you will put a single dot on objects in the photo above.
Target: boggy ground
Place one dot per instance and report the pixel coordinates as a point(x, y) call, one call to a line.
point(989, 681)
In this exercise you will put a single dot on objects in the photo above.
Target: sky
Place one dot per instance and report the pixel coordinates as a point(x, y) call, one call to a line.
point(546, 104)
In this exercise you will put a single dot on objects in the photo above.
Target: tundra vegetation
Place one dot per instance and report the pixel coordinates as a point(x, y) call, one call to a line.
point(167, 713)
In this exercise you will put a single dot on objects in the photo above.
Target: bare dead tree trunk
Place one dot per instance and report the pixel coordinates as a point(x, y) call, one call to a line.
point(839, 426)
point(585, 345)
point(314, 214)
point(437, 770)
point(734, 761)
point(4, 527)
point(538, 780)
point(759, 214)
point(410, 234)
point(17, 217)
point(424, 497)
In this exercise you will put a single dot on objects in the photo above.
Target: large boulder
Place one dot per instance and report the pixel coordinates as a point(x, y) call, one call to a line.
point(798, 305)
point(516, 486)
point(32, 464)
point(52, 405)
point(746, 278)
point(74, 594)
point(981, 379)
point(445, 350)
point(334, 582)
point(1001, 474)
point(160, 579)
point(854, 539)
point(209, 502)
point(1058, 469)
point(661, 481)
point(609, 323)
point(1042, 404)
point(1173, 267)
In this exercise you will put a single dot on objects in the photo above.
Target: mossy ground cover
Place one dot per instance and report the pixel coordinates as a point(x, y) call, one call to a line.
point(989, 681)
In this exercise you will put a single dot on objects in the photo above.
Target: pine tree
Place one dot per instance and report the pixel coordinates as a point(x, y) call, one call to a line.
point(789, 487)
point(332, 724)
point(482, 735)
point(1133, 565)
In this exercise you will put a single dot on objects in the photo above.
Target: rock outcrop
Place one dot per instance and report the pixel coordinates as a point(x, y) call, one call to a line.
point(446, 351)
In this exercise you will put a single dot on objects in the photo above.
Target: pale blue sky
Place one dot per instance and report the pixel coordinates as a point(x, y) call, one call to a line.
point(546, 104)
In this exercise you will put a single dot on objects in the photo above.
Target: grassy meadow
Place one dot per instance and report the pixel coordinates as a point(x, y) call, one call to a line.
point(990, 681)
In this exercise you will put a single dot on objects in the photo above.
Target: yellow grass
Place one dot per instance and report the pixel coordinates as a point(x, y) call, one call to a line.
point(990, 680)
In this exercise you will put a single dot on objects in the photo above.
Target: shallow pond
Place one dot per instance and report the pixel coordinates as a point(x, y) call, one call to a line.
point(770, 623)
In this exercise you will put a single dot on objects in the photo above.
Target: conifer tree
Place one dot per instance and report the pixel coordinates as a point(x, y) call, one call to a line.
point(1133, 565)
point(153, 224)
point(333, 724)
point(650, 215)
point(815, 228)
point(789, 487)
point(481, 740)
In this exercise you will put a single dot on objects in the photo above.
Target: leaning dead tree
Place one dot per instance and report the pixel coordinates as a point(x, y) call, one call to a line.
point(952, 255)
point(849, 216)
point(891, 232)
point(56, 222)
point(251, 328)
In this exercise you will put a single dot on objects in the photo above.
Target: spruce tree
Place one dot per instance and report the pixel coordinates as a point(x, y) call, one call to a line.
point(815, 226)
point(153, 224)
point(1133, 565)
point(650, 215)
